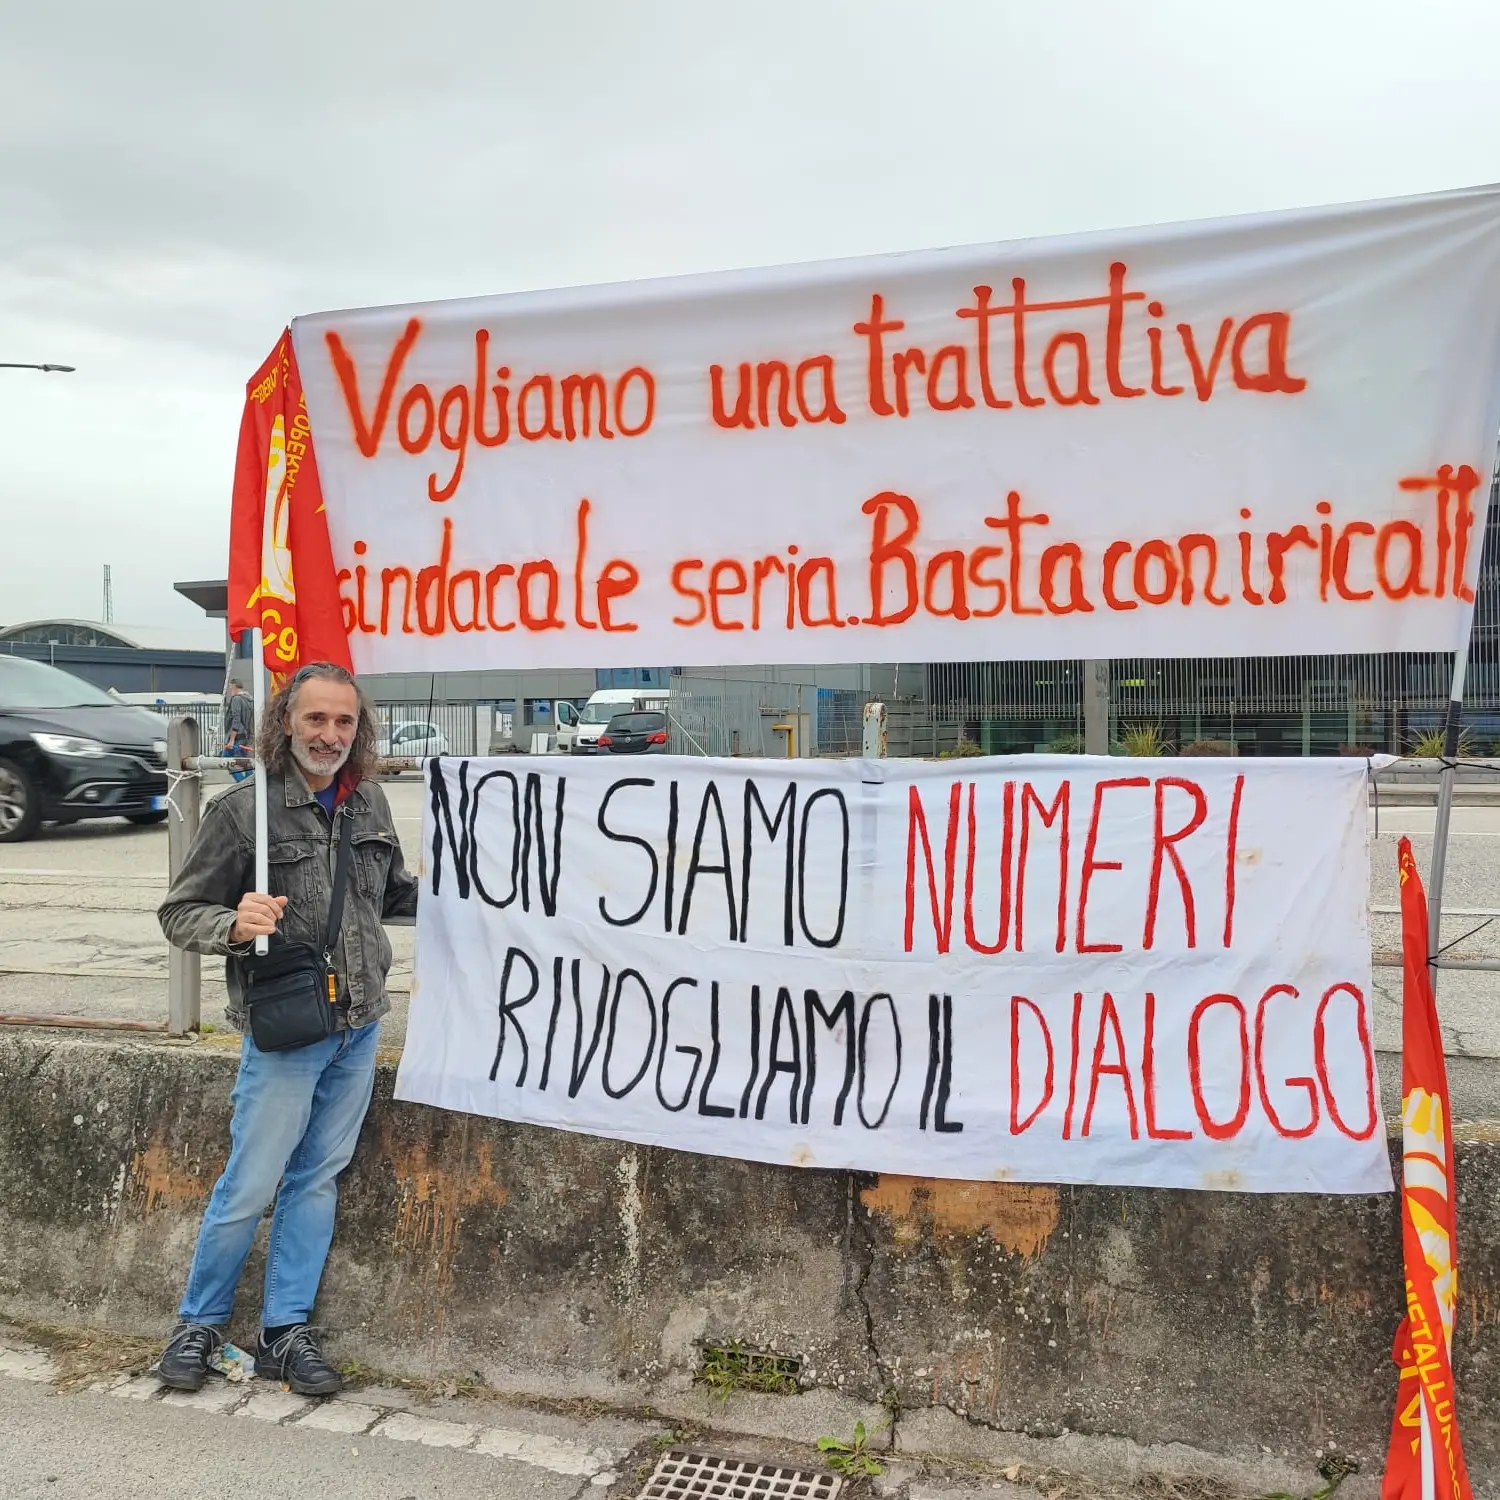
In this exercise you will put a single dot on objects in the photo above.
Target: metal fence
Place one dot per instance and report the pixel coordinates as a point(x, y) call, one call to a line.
point(723, 715)
point(468, 727)
point(1260, 705)
point(207, 713)
point(1256, 705)
point(1293, 706)
point(1283, 705)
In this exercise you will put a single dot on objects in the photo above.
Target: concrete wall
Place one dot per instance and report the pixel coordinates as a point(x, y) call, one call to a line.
point(569, 1265)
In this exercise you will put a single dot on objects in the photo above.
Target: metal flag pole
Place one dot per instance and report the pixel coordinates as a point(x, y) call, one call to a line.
point(1451, 726)
point(262, 807)
point(1452, 723)
point(1427, 1457)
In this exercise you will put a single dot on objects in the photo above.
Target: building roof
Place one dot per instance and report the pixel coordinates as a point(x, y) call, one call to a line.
point(66, 632)
point(211, 595)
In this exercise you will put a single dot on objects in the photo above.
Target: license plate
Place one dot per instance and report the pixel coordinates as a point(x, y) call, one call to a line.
point(158, 804)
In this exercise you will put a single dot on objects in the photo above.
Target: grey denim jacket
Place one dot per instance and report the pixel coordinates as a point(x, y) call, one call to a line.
point(200, 907)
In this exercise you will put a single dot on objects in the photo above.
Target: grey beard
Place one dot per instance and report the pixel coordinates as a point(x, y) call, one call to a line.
point(303, 756)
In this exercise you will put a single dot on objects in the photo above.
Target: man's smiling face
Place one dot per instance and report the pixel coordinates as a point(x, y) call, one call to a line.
point(321, 723)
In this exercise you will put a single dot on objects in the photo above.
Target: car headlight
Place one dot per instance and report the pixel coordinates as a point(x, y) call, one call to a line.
point(158, 747)
point(69, 744)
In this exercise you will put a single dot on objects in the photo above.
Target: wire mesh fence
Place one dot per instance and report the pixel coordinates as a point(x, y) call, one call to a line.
point(1317, 705)
point(437, 728)
point(448, 728)
point(1255, 705)
point(1247, 706)
point(208, 713)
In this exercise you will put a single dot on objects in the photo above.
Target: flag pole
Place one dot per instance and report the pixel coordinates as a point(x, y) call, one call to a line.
point(1428, 1456)
point(1452, 724)
point(262, 807)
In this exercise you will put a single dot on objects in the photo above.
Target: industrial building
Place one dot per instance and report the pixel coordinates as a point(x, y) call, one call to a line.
point(121, 658)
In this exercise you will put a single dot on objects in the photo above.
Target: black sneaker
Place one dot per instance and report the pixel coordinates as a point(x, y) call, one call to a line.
point(295, 1361)
point(184, 1362)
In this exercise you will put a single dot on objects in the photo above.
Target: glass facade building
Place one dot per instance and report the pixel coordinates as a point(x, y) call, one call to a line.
point(1255, 705)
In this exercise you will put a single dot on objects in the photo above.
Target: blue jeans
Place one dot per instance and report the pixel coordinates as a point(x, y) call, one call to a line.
point(296, 1121)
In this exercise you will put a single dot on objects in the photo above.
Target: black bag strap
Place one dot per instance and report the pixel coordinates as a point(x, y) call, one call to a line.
point(345, 819)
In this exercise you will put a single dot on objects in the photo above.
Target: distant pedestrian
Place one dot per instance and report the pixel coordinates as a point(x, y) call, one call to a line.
point(239, 724)
point(336, 874)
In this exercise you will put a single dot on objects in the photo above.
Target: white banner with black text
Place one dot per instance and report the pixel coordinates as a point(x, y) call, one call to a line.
point(1059, 969)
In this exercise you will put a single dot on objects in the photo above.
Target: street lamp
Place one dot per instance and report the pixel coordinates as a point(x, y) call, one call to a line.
point(50, 369)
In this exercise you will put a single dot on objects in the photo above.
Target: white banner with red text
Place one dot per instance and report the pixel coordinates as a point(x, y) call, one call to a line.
point(1269, 434)
point(1055, 969)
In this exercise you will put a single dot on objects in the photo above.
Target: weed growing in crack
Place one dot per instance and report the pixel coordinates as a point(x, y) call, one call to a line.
point(1335, 1468)
point(853, 1458)
point(732, 1367)
point(682, 1436)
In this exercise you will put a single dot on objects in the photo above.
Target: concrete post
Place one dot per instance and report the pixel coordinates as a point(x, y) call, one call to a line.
point(184, 976)
point(1096, 707)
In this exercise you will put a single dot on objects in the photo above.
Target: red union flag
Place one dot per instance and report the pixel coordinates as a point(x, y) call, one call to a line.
point(1424, 1435)
point(281, 575)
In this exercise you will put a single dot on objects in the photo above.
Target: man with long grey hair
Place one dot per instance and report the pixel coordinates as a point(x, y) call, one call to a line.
point(297, 1112)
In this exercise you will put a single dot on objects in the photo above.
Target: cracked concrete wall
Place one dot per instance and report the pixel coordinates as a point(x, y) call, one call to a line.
point(569, 1265)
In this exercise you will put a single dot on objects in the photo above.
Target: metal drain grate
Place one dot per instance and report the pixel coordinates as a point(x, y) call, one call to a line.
point(703, 1476)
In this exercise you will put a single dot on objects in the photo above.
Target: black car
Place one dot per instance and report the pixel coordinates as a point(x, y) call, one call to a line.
point(69, 751)
point(639, 733)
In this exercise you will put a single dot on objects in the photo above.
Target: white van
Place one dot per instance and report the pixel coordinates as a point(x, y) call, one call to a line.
point(579, 733)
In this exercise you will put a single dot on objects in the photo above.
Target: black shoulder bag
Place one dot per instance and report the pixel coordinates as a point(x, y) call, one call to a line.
point(290, 992)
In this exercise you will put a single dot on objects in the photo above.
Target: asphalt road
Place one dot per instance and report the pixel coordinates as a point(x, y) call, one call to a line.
point(78, 929)
point(78, 933)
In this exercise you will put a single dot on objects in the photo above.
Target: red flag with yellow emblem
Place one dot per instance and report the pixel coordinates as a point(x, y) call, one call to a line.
point(281, 574)
point(1429, 1237)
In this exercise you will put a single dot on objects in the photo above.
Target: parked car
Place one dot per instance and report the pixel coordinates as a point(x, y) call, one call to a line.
point(578, 734)
point(69, 751)
point(642, 733)
point(413, 742)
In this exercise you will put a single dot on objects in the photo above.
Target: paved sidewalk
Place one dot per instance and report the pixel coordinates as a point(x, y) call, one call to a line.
point(67, 1434)
point(80, 1447)
point(130, 1435)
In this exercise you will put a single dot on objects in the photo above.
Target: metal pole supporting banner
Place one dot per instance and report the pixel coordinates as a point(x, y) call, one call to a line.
point(1452, 724)
point(262, 813)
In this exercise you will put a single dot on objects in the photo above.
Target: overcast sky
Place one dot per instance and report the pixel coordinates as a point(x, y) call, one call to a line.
point(178, 180)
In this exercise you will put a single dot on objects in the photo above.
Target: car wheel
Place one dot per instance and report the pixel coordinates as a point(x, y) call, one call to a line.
point(146, 819)
point(20, 804)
